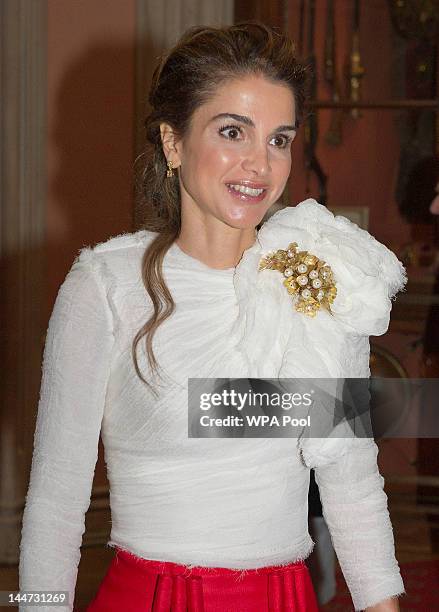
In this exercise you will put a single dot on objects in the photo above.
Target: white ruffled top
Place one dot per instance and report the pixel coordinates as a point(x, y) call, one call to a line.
point(239, 503)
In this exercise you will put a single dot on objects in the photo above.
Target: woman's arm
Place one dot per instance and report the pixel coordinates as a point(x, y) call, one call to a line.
point(355, 510)
point(75, 373)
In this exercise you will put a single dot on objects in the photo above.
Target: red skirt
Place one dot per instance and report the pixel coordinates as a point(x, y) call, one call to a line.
point(133, 584)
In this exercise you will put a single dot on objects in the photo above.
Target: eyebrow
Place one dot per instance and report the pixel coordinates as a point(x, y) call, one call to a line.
point(249, 122)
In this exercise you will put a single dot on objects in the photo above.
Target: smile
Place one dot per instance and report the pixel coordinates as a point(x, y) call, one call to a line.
point(246, 193)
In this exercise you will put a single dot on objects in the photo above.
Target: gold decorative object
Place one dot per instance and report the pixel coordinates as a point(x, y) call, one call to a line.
point(307, 278)
point(170, 170)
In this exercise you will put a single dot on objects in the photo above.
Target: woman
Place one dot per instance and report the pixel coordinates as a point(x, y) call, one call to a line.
point(217, 524)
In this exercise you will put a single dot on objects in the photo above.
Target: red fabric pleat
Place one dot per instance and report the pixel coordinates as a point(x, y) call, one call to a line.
point(179, 600)
point(275, 593)
point(133, 584)
point(289, 592)
point(163, 594)
point(195, 595)
point(177, 594)
point(303, 588)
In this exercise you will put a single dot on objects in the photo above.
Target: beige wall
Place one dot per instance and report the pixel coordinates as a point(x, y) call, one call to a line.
point(90, 123)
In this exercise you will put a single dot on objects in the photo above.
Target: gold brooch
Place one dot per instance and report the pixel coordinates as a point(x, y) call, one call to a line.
point(308, 278)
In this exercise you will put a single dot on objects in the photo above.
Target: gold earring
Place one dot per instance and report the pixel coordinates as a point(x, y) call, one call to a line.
point(170, 170)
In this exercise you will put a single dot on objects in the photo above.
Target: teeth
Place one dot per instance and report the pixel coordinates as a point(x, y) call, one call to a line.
point(247, 190)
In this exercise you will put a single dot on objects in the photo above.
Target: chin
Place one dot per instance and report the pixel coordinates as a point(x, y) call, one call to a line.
point(248, 220)
point(243, 224)
point(248, 226)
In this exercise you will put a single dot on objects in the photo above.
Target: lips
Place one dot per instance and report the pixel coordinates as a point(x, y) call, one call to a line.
point(247, 191)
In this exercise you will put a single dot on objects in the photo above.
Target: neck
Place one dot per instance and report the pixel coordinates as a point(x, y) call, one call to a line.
point(218, 246)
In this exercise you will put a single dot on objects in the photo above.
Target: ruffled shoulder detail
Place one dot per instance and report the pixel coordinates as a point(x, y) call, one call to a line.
point(117, 256)
point(367, 274)
point(125, 240)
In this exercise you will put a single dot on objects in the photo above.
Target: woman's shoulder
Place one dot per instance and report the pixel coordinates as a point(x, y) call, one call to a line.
point(116, 247)
point(365, 273)
point(338, 239)
point(125, 240)
point(116, 261)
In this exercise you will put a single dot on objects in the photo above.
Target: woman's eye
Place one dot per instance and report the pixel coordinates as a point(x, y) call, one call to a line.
point(232, 132)
point(235, 132)
point(281, 141)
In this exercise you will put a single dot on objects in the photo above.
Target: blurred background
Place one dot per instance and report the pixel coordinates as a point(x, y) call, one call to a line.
point(73, 85)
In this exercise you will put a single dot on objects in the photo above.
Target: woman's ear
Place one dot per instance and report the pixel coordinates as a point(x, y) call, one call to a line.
point(169, 143)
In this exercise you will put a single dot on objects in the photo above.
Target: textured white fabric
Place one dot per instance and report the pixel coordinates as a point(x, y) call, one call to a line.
point(239, 503)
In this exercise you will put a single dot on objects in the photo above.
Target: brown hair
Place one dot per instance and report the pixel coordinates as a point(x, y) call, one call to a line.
point(187, 76)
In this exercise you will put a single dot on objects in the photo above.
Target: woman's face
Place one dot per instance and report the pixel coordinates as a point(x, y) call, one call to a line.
point(235, 159)
point(434, 207)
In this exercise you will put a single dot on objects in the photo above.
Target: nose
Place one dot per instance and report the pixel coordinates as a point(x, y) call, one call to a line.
point(257, 160)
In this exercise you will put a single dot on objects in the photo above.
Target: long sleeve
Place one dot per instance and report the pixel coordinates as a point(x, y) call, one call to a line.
point(331, 346)
point(355, 510)
point(76, 366)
